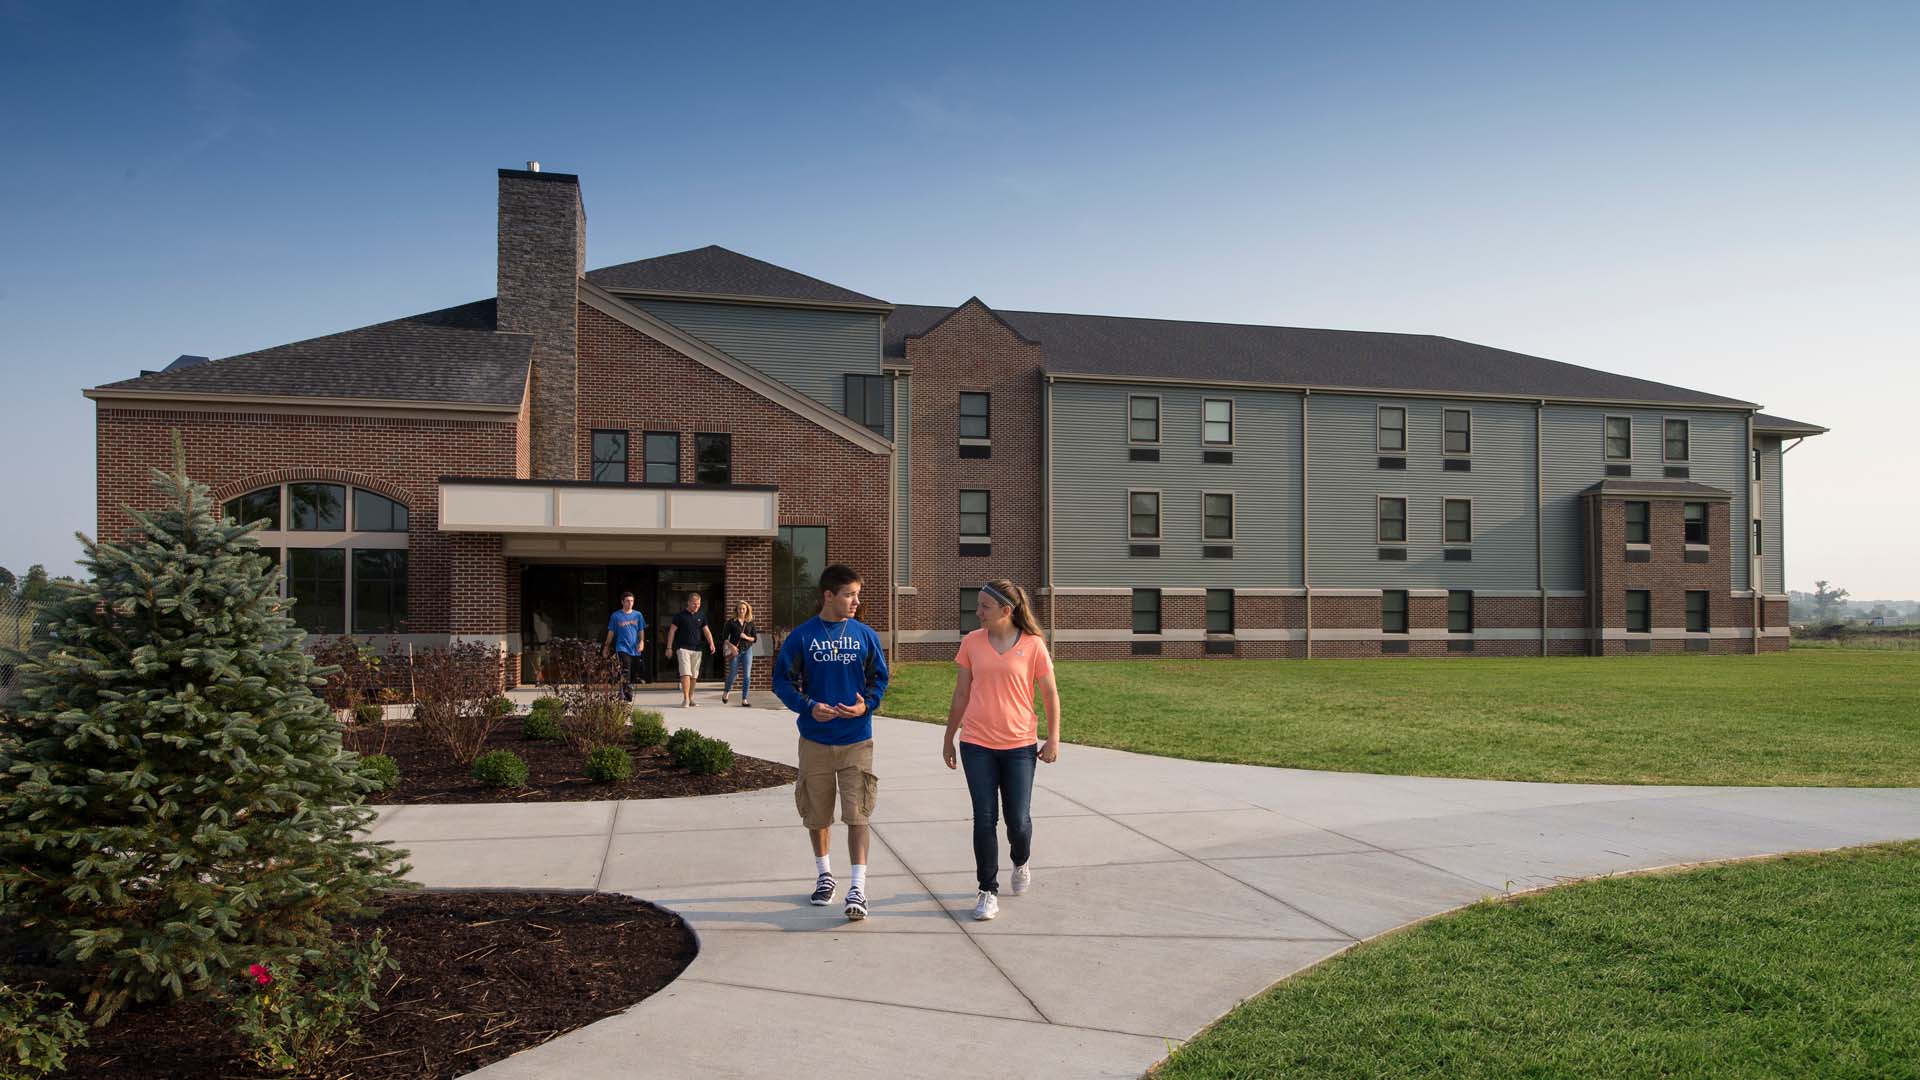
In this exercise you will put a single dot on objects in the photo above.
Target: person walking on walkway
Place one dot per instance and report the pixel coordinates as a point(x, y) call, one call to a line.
point(737, 642)
point(626, 640)
point(683, 644)
point(832, 673)
point(1001, 665)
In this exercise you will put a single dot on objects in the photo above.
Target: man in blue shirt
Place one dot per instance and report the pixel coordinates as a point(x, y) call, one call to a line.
point(626, 641)
point(832, 674)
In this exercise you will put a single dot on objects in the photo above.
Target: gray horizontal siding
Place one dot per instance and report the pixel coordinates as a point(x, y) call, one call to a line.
point(1773, 563)
point(1346, 479)
point(1092, 474)
point(811, 351)
point(901, 414)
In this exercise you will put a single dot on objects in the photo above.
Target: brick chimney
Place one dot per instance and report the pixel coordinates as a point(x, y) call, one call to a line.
point(543, 252)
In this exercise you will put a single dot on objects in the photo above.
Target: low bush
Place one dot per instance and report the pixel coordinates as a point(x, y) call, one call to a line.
point(594, 719)
point(539, 726)
point(37, 1032)
point(456, 688)
point(382, 769)
point(368, 714)
point(708, 757)
point(500, 768)
point(292, 1018)
point(680, 742)
point(501, 705)
point(649, 728)
point(609, 764)
point(549, 706)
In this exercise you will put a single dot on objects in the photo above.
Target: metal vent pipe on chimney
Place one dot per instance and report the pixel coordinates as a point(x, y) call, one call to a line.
point(533, 166)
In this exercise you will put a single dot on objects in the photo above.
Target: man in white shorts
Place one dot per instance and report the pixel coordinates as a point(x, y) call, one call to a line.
point(683, 644)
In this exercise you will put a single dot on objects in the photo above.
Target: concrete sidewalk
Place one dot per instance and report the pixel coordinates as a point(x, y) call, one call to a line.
point(1165, 892)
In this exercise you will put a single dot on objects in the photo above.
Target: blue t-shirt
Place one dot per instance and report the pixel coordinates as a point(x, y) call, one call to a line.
point(626, 627)
point(834, 663)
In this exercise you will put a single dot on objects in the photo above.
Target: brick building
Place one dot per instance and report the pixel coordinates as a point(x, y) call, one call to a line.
point(707, 422)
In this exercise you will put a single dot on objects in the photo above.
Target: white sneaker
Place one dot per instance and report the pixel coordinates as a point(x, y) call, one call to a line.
point(1022, 879)
point(986, 906)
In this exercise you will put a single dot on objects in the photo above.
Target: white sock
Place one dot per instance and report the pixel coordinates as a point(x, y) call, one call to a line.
point(859, 876)
point(821, 865)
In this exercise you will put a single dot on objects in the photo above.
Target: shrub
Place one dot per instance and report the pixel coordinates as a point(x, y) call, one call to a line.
point(456, 688)
point(608, 764)
point(708, 757)
point(290, 1017)
point(680, 742)
point(501, 705)
point(382, 769)
point(500, 768)
point(352, 671)
point(539, 726)
point(35, 1034)
point(649, 728)
point(369, 732)
point(549, 706)
point(134, 833)
point(595, 720)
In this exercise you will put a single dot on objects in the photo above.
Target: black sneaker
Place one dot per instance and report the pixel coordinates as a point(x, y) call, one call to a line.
point(856, 904)
point(823, 891)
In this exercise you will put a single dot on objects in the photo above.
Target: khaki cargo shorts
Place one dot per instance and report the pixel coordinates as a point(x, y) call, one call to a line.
point(823, 769)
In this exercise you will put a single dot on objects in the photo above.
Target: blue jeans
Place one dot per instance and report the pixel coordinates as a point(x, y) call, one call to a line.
point(996, 779)
point(741, 662)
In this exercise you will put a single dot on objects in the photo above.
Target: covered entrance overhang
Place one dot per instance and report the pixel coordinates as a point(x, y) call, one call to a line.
point(561, 508)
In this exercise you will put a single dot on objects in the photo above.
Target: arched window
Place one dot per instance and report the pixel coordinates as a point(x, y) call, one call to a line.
point(344, 550)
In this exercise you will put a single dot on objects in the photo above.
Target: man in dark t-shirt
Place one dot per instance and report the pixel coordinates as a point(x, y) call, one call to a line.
point(684, 640)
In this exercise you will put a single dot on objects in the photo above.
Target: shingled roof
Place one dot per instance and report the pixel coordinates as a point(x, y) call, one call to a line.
point(1291, 356)
point(715, 271)
point(450, 356)
point(1780, 425)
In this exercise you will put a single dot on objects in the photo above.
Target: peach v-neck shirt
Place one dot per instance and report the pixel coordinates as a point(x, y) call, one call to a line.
point(999, 712)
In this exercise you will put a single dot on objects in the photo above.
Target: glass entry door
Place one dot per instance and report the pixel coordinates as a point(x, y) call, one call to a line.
point(574, 601)
point(672, 590)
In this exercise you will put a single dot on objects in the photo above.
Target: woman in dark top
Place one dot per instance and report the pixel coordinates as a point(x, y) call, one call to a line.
point(739, 636)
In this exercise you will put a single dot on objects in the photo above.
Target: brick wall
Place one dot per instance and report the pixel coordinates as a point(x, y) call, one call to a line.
point(1666, 575)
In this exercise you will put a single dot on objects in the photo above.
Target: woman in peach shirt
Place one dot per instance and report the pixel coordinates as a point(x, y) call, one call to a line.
point(1001, 665)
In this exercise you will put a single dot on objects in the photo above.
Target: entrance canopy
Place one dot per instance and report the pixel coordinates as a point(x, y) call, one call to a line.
point(581, 508)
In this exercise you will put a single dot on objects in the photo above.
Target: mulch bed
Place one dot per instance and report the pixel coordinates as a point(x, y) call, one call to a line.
point(428, 774)
point(482, 976)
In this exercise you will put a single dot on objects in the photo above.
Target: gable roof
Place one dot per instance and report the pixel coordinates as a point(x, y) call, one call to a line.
point(713, 271)
point(450, 356)
point(1780, 425)
point(1164, 349)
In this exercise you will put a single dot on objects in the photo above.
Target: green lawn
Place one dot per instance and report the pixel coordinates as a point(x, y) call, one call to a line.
point(1802, 968)
point(1817, 717)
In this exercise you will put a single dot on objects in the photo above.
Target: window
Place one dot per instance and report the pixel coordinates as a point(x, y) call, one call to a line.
point(379, 591)
point(377, 513)
point(609, 457)
point(1459, 528)
point(799, 555)
point(1697, 611)
point(317, 582)
point(1143, 419)
point(969, 612)
point(1619, 438)
point(1216, 516)
point(976, 514)
point(1459, 611)
point(867, 401)
point(1756, 463)
point(1696, 523)
point(1639, 611)
point(713, 458)
point(1637, 530)
point(1393, 611)
point(976, 421)
point(1456, 431)
point(663, 457)
point(1393, 521)
point(255, 505)
point(318, 507)
point(1216, 421)
point(1219, 611)
point(1676, 440)
point(1143, 515)
point(1146, 611)
point(1758, 548)
point(1392, 438)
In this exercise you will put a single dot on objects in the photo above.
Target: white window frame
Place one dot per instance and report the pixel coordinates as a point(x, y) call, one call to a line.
point(1233, 518)
point(1404, 440)
point(1664, 421)
point(1159, 515)
point(1444, 500)
point(1406, 519)
point(1604, 454)
point(1444, 452)
point(1159, 420)
point(1233, 424)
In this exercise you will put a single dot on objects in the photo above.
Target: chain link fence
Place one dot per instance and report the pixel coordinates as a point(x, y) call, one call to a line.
point(19, 626)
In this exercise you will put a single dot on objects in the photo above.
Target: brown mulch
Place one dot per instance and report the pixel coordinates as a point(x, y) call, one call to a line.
point(482, 976)
point(428, 774)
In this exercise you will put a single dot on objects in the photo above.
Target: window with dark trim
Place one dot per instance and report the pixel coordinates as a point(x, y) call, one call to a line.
point(1637, 528)
point(317, 507)
point(976, 515)
point(317, 582)
point(1456, 431)
point(1758, 547)
point(1392, 434)
point(1143, 515)
point(1143, 419)
point(867, 401)
point(1619, 438)
point(1696, 523)
point(1216, 421)
point(976, 418)
point(1393, 611)
point(1639, 611)
point(1393, 521)
point(1219, 611)
point(379, 591)
point(799, 555)
point(1146, 611)
point(1459, 611)
point(1697, 611)
point(663, 457)
point(609, 457)
point(1216, 516)
point(1459, 521)
point(713, 458)
point(969, 611)
point(373, 512)
point(1678, 441)
point(255, 505)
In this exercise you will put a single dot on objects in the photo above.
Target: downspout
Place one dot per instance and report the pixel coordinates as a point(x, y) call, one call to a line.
point(1046, 528)
point(1306, 532)
point(1753, 546)
point(1539, 521)
point(893, 525)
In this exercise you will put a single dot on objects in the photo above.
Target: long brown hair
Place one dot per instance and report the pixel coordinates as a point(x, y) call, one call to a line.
point(1023, 619)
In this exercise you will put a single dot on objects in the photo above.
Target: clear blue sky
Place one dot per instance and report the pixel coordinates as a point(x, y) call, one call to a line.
point(1717, 195)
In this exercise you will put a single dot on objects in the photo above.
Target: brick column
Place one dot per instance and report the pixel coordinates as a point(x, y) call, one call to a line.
point(750, 578)
point(478, 611)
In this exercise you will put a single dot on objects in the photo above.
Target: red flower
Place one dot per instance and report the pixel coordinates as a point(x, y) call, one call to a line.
point(260, 974)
